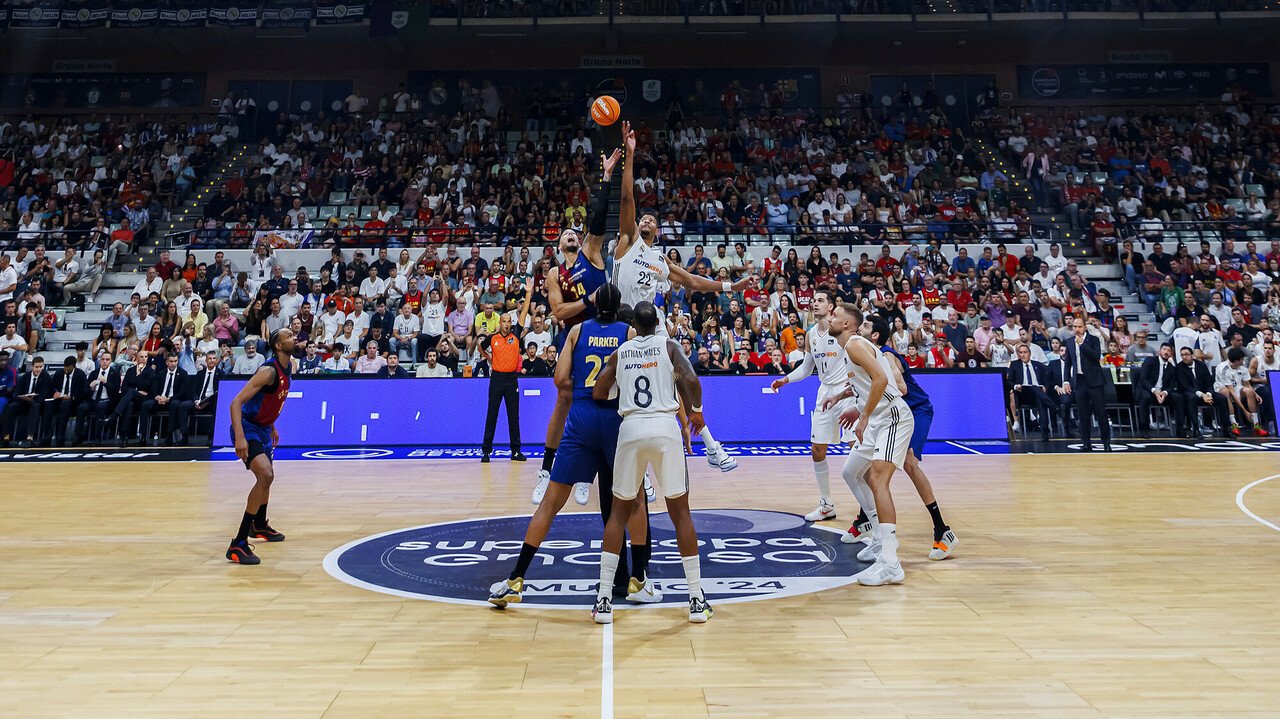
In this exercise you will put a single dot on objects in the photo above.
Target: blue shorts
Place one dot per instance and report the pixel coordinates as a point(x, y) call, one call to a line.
point(589, 443)
point(259, 440)
point(923, 417)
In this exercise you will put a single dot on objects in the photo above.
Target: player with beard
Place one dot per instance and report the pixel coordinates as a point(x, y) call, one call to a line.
point(639, 267)
point(571, 292)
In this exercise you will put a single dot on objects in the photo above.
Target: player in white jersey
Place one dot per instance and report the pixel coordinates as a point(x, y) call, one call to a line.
point(883, 424)
point(826, 356)
point(652, 376)
point(640, 267)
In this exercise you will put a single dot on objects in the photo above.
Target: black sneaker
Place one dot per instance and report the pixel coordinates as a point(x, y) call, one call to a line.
point(484, 458)
point(242, 553)
point(519, 457)
point(266, 533)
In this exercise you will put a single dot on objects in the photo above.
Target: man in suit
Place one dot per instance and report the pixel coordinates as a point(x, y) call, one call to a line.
point(70, 387)
point(1056, 385)
point(170, 393)
point(1156, 382)
point(104, 392)
point(135, 387)
point(1195, 382)
point(204, 388)
point(28, 399)
point(1088, 384)
point(8, 381)
point(1028, 378)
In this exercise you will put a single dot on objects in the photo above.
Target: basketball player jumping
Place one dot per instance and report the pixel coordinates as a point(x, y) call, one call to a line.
point(826, 355)
point(589, 444)
point(639, 267)
point(877, 330)
point(253, 415)
point(883, 424)
point(570, 291)
point(648, 370)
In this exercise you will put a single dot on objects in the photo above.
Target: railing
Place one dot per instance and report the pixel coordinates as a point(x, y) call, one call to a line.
point(874, 233)
point(1211, 231)
point(57, 240)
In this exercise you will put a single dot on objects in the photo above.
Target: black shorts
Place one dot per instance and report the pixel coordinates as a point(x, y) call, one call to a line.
point(256, 448)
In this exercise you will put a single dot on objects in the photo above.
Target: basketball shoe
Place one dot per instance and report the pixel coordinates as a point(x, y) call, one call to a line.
point(506, 592)
point(540, 489)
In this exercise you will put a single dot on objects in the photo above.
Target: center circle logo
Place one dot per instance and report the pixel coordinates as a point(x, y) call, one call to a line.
point(346, 453)
point(747, 555)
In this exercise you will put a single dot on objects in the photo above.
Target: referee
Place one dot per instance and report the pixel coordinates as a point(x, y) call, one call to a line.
point(503, 353)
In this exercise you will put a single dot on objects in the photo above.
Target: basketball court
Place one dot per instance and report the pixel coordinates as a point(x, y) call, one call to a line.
point(1117, 585)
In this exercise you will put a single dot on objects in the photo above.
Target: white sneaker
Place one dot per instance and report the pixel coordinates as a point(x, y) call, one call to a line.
point(826, 510)
point(1016, 426)
point(721, 459)
point(861, 538)
point(650, 493)
point(540, 489)
point(602, 612)
point(881, 573)
point(944, 547)
point(870, 553)
point(582, 492)
point(645, 593)
point(699, 610)
point(506, 592)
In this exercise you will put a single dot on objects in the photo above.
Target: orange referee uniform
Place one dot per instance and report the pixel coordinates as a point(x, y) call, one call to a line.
point(504, 359)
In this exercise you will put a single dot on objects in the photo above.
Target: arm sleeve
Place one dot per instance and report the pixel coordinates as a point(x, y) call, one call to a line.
point(599, 210)
point(802, 370)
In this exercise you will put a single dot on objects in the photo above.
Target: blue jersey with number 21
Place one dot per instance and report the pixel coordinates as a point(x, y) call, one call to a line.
point(596, 341)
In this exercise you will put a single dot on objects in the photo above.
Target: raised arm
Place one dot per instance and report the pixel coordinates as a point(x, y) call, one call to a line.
point(687, 385)
point(593, 243)
point(698, 283)
point(627, 210)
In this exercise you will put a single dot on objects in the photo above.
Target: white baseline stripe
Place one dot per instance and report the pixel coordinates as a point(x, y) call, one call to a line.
point(1240, 500)
point(970, 450)
point(606, 674)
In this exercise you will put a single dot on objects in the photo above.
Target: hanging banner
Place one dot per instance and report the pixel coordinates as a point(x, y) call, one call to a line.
point(284, 239)
point(90, 89)
point(184, 16)
point(1135, 82)
point(337, 13)
point(4, 17)
point(234, 14)
point(94, 14)
point(42, 15)
point(287, 13)
point(134, 15)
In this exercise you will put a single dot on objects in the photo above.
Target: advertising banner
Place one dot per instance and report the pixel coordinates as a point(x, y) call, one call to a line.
point(1139, 81)
point(346, 411)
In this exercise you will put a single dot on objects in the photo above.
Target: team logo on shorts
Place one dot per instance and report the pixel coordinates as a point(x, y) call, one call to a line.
point(747, 555)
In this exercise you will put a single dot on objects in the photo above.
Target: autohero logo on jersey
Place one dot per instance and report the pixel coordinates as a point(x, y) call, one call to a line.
point(747, 555)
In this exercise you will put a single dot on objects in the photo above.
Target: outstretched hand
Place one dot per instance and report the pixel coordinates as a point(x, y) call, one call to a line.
point(610, 162)
point(628, 137)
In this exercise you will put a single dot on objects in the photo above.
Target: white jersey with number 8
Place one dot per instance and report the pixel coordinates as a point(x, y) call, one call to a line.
point(645, 377)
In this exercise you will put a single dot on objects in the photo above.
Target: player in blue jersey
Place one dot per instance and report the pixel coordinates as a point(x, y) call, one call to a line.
point(570, 291)
point(877, 330)
point(587, 450)
point(254, 412)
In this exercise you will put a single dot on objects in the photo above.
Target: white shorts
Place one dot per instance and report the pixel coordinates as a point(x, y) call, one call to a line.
point(888, 437)
point(824, 427)
point(650, 439)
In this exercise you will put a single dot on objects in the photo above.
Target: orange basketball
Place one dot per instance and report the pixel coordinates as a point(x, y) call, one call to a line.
point(605, 110)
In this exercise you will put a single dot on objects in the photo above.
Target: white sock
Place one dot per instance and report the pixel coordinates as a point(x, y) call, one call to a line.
point(692, 575)
point(822, 473)
point(608, 568)
point(855, 475)
point(1254, 416)
point(708, 440)
point(887, 535)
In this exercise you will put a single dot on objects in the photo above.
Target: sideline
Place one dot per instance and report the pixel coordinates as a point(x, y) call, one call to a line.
point(606, 674)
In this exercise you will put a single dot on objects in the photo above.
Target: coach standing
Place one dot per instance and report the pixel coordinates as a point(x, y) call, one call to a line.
point(502, 350)
point(1088, 384)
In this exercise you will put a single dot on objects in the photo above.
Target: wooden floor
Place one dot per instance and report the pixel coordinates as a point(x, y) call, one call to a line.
point(1118, 585)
